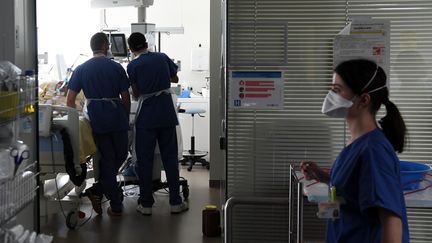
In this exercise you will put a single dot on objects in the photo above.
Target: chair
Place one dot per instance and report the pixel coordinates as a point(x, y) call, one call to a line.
point(192, 155)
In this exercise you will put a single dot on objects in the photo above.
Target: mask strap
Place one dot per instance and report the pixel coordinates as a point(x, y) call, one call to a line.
point(382, 87)
point(370, 81)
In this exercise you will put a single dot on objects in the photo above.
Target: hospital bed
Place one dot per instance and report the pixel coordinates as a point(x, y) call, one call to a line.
point(63, 186)
point(63, 178)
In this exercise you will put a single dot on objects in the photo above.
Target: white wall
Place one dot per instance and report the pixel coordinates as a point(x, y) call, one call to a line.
point(65, 26)
point(194, 16)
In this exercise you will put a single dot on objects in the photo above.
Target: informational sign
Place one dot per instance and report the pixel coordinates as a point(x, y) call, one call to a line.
point(200, 59)
point(256, 89)
point(364, 38)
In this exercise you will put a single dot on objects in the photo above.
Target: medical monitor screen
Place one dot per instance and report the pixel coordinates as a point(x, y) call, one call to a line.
point(118, 45)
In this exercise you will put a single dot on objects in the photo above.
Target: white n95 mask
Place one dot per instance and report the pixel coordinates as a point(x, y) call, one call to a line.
point(335, 105)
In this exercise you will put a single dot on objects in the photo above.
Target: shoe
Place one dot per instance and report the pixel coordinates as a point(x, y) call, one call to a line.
point(112, 213)
point(144, 210)
point(179, 208)
point(96, 201)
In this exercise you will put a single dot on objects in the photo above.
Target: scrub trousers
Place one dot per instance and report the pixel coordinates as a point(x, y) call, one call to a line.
point(145, 139)
point(113, 150)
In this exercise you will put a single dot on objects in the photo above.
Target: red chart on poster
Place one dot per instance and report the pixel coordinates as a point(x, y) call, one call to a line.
point(256, 89)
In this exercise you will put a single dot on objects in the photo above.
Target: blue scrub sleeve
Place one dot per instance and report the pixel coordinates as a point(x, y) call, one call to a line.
point(124, 83)
point(131, 73)
point(379, 184)
point(172, 67)
point(75, 80)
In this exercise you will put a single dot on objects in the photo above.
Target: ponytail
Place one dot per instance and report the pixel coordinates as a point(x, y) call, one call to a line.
point(393, 126)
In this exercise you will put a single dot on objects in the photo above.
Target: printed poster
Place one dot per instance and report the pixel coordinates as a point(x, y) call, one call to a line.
point(364, 38)
point(256, 89)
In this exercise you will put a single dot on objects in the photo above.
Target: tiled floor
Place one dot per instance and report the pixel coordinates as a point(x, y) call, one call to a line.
point(161, 227)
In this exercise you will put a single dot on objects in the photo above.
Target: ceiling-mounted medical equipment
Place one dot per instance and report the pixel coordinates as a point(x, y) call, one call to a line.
point(120, 3)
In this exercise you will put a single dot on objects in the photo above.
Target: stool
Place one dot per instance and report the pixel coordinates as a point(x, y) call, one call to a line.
point(192, 155)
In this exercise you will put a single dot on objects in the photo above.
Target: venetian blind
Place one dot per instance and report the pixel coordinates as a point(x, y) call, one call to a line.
point(296, 37)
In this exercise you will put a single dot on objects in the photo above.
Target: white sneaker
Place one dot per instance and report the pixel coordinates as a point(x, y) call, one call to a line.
point(144, 210)
point(179, 208)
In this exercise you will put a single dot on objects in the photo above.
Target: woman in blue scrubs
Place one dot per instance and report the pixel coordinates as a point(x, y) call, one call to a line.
point(366, 172)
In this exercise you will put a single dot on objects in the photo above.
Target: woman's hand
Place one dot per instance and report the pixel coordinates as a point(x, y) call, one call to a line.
point(312, 171)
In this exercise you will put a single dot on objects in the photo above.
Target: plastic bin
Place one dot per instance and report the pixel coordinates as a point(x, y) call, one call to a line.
point(412, 174)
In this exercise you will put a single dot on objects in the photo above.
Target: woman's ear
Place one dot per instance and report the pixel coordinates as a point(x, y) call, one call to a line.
point(365, 100)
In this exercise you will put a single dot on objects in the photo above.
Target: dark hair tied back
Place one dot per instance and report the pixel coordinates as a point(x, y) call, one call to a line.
point(356, 74)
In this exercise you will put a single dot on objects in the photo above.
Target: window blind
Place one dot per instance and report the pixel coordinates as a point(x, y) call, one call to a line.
point(410, 83)
point(296, 37)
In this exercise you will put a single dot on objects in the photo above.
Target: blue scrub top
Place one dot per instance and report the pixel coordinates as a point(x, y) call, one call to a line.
point(99, 78)
point(152, 72)
point(366, 175)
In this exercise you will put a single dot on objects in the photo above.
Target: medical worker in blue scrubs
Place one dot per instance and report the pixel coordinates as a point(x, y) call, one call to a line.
point(151, 74)
point(105, 86)
point(366, 172)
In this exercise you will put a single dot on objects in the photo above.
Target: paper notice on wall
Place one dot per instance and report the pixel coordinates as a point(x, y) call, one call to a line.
point(364, 38)
point(256, 89)
point(200, 59)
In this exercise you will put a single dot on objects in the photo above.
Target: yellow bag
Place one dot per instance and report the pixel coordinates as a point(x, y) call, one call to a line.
point(86, 142)
point(8, 105)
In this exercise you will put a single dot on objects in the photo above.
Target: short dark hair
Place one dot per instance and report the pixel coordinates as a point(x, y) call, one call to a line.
point(97, 41)
point(137, 41)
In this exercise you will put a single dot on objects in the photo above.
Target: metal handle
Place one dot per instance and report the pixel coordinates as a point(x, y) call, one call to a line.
point(233, 201)
point(299, 212)
point(290, 205)
point(293, 184)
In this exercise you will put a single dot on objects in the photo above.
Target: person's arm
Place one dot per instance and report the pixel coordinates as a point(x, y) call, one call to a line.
point(391, 226)
point(70, 98)
point(135, 91)
point(125, 97)
point(173, 68)
point(174, 79)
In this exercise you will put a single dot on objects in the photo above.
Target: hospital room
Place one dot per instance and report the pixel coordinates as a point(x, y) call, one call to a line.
point(201, 121)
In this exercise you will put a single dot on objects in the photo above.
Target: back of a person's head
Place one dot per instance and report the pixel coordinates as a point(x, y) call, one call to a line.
point(97, 42)
point(137, 42)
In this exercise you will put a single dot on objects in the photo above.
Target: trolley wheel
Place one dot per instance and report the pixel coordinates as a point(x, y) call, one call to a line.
point(185, 191)
point(208, 166)
point(189, 169)
point(72, 220)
